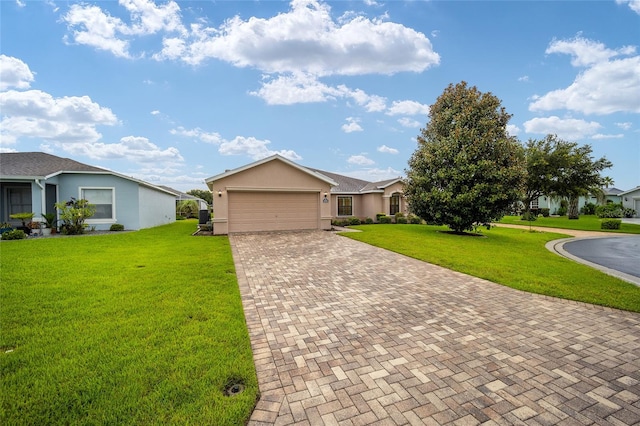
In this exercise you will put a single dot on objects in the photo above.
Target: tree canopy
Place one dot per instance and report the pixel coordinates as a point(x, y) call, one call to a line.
point(556, 167)
point(203, 194)
point(466, 170)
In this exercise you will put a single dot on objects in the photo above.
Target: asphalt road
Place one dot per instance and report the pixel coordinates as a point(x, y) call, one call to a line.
point(619, 253)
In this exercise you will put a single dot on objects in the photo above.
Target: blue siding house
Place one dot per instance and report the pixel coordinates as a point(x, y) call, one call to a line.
point(35, 181)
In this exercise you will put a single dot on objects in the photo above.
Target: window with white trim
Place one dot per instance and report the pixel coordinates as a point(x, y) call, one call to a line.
point(103, 199)
point(345, 206)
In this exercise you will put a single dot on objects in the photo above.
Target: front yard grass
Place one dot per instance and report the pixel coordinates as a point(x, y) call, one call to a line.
point(144, 327)
point(585, 223)
point(512, 257)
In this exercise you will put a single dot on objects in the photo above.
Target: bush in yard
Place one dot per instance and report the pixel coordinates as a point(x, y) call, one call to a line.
point(628, 212)
point(588, 208)
point(609, 211)
point(354, 221)
point(340, 222)
point(401, 219)
point(414, 219)
point(116, 227)
point(564, 207)
point(544, 212)
point(368, 221)
point(15, 234)
point(73, 213)
point(384, 219)
point(378, 216)
point(610, 224)
point(529, 216)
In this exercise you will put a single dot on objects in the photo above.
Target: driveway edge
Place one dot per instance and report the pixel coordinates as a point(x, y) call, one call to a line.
point(557, 246)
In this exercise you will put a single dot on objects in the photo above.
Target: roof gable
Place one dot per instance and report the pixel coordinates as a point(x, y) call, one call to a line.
point(275, 157)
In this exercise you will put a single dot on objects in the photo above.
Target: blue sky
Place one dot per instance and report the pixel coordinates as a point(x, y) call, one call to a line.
point(175, 92)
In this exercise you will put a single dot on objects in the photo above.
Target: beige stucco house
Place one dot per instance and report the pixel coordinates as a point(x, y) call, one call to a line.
point(276, 194)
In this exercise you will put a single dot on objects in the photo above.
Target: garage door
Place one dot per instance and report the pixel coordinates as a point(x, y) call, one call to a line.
point(273, 211)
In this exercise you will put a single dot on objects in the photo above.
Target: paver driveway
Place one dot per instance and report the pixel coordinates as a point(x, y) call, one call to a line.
point(346, 333)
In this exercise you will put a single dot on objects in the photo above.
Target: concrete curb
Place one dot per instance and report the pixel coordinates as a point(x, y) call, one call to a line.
point(557, 246)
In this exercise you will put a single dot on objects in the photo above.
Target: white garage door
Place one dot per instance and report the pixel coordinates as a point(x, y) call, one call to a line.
point(273, 211)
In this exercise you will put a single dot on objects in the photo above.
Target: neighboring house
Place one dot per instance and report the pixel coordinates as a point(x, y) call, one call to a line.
point(276, 194)
point(631, 199)
point(35, 181)
point(612, 195)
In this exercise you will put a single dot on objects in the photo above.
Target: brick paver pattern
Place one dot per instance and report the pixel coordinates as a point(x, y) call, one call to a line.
point(346, 333)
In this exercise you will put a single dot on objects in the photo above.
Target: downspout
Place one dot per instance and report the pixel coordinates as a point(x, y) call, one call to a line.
point(43, 199)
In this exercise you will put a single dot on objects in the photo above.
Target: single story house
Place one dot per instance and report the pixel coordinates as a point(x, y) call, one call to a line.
point(183, 196)
point(611, 195)
point(631, 199)
point(35, 181)
point(275, 194)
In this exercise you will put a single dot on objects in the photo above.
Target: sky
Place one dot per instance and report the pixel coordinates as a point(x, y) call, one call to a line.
point(175, 92)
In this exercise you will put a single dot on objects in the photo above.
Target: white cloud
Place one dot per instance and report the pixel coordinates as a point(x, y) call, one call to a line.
point(387, 150)
point(36, 114)
point(409, 122)
point(586, 52)
point(633, 4)
point(295, 88)
point(512, 129)
point(524, 78)
point(360, 160)
point(89, 25)
point(606, 86)
point(20, 3)
point(624, 126)
point(351, 125)
point(306, 39)
point(374, 174)
point(603, 136)
point(254, 148)
point(14, 73)
point(132, 148)
point(155, 112)
point(566, 128)
point(197, 133)
point(408, 108)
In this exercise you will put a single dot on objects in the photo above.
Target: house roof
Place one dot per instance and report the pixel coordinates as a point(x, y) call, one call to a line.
point(275, 157)
point(39, 165)
point(350, 185)
point(181, 195)
point(637, 188)
point(612, 191)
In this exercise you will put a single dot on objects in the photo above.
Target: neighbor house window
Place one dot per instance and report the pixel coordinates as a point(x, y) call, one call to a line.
point(534, 204)
point(103, 199)
point(394, 204)
point(345, 206)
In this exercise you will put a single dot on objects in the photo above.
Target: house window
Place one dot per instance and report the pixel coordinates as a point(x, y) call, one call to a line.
point(394, 204)
point(103, 199)
point(19, 199)
point(345, 206)
point(534, 204)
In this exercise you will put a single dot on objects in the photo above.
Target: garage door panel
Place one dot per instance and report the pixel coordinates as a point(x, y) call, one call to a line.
point(273, 211)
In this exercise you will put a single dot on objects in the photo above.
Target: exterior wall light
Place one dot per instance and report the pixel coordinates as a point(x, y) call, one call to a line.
point(219, 193)
point(325, 195)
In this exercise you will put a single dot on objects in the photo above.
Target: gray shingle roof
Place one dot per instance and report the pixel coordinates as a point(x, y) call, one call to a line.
point(39, 164)
point(351, 185)
point(612, 191)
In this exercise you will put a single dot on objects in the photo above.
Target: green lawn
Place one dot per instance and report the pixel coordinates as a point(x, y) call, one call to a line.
point(585, 223)
point(142, 327)
point(512, 257)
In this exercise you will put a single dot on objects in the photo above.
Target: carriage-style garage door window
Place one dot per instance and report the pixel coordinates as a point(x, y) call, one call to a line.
point(345, 206)
point(103, 199)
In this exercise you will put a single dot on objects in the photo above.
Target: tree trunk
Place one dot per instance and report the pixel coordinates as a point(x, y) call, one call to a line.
point(573, 211)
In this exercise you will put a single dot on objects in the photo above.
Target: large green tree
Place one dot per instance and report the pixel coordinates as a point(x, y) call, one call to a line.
point(466, 170)
point(559, 168)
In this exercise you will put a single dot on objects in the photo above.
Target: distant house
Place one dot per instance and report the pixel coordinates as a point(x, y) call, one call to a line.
point(612, 195)
point(631, 199)
point(276, 194)
point(35, 181)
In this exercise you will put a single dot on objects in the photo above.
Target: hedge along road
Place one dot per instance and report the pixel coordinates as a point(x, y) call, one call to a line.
point(618, 253)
